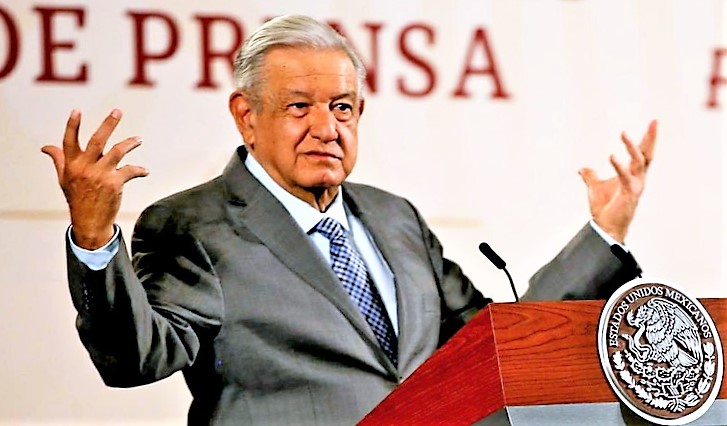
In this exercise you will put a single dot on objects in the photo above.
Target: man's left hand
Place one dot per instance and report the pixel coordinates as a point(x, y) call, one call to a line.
point(613, 201)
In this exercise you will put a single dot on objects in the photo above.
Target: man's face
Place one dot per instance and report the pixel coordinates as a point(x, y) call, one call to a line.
point(304, 133)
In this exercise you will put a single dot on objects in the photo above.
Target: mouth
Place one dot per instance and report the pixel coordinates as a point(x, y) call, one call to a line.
point(322, 155)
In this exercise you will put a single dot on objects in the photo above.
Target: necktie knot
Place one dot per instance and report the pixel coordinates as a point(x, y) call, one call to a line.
point(331, 229)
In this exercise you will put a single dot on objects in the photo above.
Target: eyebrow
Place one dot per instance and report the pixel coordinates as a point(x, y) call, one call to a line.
point(303, 94)
point(345, 95)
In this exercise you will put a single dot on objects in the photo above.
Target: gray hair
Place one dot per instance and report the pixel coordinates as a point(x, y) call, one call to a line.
point(287, 31)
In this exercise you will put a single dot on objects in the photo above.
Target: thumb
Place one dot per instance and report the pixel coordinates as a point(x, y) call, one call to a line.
point(56, 154)
point(588, 175)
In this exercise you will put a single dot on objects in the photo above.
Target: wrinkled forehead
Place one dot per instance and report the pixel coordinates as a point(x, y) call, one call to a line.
point(290, 63)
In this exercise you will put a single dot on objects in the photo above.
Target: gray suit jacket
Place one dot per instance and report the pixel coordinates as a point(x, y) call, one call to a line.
point(225, 287)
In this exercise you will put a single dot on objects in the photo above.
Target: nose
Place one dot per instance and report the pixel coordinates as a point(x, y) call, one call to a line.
point(323, 125)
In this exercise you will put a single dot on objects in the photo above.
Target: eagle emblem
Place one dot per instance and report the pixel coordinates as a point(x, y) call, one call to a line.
point(671, 336)
point(660, 351)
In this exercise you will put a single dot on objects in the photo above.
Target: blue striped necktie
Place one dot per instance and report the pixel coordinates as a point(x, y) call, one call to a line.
point(351, 270)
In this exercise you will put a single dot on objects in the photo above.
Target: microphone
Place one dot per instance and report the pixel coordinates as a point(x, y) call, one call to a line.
point(626, 258)
point(499, 264)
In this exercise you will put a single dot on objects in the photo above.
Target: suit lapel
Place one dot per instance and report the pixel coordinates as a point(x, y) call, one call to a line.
point(380, 227)
point(255, 210)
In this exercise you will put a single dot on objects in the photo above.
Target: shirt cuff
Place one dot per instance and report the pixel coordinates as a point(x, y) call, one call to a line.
point(96, 259)
point(605, 236)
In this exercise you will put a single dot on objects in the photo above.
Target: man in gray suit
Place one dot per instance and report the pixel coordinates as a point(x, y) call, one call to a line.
point(283, 293)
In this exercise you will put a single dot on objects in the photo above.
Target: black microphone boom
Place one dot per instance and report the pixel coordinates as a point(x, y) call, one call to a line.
point(490, 254)
point(499, 264)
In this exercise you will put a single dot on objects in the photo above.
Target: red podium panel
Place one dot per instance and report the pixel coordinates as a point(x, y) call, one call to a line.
point(523, 354)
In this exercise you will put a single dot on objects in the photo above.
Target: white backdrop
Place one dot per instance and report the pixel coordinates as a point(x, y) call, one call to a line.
point(480, 168)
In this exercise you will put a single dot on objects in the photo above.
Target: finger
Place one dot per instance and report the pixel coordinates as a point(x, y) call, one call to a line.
point(70, 137)
point(118, 151)
point(130, 172)
point(638, 162)
point(648, 142)
point(621, 172)
point(589, 176)
point(56, 154)
point(99, 138)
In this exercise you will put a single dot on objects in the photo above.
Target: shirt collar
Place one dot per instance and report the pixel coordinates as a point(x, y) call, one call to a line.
point(305, 215)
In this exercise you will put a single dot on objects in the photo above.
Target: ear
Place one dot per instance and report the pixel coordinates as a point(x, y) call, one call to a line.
point(244, 116)
point(361, 107)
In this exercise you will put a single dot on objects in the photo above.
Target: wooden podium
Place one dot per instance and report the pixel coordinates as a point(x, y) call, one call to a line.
point(528, 363)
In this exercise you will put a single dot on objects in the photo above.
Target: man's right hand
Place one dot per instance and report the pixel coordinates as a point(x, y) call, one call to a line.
point(91, 180)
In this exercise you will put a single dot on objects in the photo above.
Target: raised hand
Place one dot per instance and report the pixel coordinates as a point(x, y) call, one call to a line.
point(91, 180)
point(613, 201)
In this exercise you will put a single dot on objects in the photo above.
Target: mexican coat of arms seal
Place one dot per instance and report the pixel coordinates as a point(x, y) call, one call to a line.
point(660, 351)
